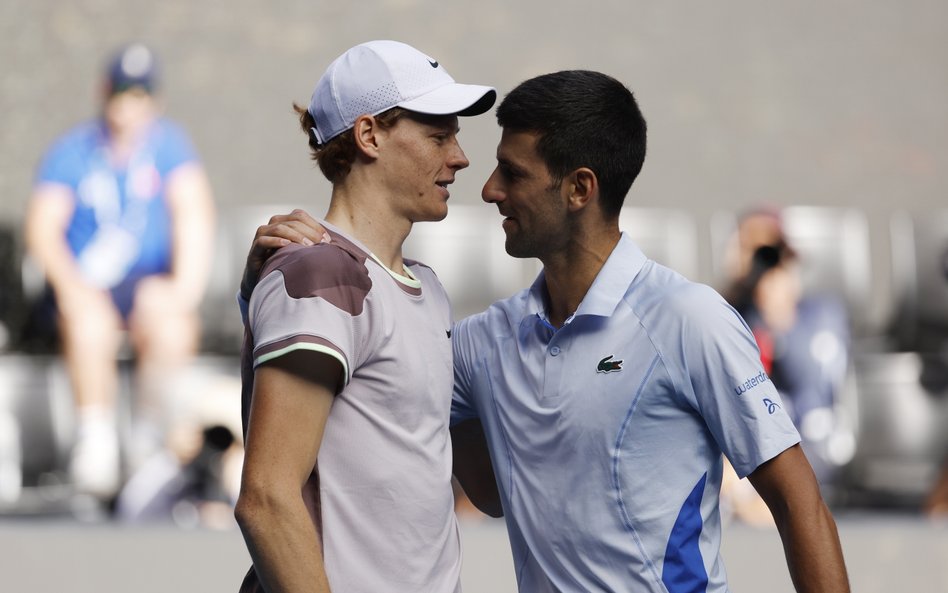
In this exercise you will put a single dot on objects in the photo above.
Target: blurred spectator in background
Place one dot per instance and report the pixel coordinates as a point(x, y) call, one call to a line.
point(804, 340)
point(119, 221)
point(193, 483)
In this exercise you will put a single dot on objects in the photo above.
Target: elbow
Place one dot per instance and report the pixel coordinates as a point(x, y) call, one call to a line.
point(245, 511)
point(253, 508)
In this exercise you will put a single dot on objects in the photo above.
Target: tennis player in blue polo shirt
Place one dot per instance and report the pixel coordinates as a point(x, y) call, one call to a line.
point(610, 390)
point(606, 431)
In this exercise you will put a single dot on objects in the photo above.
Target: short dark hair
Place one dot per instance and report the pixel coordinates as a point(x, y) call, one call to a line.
point(583, 119)
point(335, 158)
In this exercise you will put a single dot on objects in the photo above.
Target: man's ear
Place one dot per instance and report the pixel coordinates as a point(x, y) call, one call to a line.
point(365, 132)
point(582, 186)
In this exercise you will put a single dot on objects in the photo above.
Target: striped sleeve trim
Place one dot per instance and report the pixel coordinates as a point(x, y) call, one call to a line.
point(274, 350)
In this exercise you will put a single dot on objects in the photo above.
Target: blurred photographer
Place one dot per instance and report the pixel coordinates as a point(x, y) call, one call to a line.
point(804, 340)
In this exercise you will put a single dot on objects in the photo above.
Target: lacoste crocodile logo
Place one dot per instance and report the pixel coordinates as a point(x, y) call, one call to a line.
point(609, 366)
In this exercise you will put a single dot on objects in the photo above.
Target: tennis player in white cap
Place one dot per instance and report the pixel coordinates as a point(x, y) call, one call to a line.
point(347, 373)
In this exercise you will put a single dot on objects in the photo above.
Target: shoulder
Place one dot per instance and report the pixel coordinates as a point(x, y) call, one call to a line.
point(320, 264)
point(78, 140)
point(171, 145)
point(675, 310)
point(658, 290)
point(428, 278)
point(68, 156)
point(323, 270)
point(420, 270)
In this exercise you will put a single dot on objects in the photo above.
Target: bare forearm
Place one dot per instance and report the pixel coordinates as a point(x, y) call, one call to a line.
point(473, 468)
point(292, 398)
point(810, 541)
point(58, 264)
point(814, 554)
point(190, 268)
point(45, 237)
point(193, 235)
point(284, 547)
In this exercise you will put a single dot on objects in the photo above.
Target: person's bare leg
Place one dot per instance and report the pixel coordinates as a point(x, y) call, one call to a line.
point(165, 336)
point(91, 339)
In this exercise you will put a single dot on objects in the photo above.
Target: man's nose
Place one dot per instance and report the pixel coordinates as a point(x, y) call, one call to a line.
point(458, 159)
point(492, 191)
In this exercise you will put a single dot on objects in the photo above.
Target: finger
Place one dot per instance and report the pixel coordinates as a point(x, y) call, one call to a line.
point(314, 225)
point(303, 223)
point(293, 232)
point(268, 243)
point(303, 216)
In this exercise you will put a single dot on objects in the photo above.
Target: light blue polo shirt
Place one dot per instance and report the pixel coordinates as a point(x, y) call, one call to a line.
point(606, 435)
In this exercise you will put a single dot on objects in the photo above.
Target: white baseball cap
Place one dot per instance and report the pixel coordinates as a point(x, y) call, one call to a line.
point(378, 75)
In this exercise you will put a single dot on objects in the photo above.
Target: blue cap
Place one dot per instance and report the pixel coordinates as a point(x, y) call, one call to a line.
point(134, 66)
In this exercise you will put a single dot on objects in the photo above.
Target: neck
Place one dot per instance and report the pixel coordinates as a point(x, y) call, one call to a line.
point(124, 140)
point(362, 214)
point(571, 272)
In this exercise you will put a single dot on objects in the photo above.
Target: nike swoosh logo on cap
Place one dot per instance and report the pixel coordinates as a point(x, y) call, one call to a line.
point(433, 64)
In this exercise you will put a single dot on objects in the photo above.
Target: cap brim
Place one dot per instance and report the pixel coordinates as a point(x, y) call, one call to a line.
point(459, 99)
point(120, 86)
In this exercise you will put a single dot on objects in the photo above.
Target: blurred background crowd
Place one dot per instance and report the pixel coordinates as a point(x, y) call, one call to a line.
point(797, 163)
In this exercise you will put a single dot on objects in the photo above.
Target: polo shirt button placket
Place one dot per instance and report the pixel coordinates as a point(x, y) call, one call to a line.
point(553, 374)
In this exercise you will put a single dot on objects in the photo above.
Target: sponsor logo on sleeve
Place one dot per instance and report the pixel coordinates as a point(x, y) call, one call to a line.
point(772, 406)
point(758, 379)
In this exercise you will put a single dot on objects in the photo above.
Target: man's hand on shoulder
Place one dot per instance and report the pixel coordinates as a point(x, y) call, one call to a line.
point(283, 229)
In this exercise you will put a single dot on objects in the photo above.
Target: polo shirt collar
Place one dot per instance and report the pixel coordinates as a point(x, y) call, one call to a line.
point(607, 289)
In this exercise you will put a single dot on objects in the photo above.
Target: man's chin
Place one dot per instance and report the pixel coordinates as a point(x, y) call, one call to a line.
point(517, 250)
point(434, 216)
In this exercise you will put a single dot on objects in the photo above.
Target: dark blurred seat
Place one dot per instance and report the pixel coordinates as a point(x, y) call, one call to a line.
point(920, 278)
point(36, 412)
point(901, 431)
point(903, 393)
point(13, 302)
point(9, 284)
